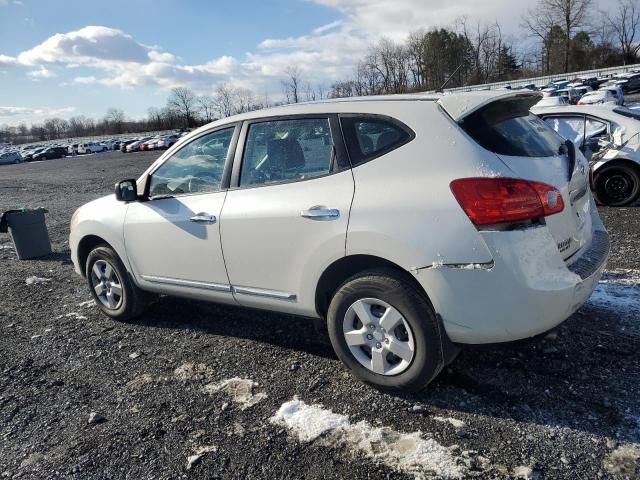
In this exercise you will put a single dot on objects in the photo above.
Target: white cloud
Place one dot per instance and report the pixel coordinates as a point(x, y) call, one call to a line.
point(325, 28)
point(14, 115)
point(41, 72)
point(7, 60)
point(87, 45)
point(111, 57)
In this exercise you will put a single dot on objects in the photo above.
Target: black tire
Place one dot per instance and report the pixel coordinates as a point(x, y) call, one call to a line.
point(133, 301)
point(617, 185)
point(390, 287)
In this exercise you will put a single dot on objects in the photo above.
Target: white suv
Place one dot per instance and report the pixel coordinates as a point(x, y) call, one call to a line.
point(411, 223)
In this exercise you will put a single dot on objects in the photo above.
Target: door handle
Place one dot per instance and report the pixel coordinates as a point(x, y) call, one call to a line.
point(203, 217)
point(320, 213)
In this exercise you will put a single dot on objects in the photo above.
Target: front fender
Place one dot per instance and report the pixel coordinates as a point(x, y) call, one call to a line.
point(102, 218)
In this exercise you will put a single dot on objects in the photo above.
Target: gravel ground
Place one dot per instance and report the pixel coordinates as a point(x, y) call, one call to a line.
point(82, 396)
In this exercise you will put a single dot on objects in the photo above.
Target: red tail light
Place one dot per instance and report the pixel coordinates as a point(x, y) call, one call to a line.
point(488, 201)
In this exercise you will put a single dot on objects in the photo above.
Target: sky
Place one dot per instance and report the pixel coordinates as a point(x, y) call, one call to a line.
point(82, 57)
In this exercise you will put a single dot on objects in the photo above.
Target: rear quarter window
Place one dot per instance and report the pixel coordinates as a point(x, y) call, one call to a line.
point(369, 137)
point(506, 127)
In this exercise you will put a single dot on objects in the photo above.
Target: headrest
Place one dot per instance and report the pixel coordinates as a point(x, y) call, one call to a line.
point(386, 139)
point(286, 153)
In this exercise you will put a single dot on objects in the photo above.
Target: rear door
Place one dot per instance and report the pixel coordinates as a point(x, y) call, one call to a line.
point(285, 218)
point(534, 151)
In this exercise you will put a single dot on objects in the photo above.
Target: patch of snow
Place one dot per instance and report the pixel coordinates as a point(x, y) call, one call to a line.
point(239, 390)
point(193, 371)
point(140, 380)
point(198, 454)
point(75, 315)
point(34, 280)
point(623, 461)
point(405, 452)
point(88, 303)
point(619, 290)
point(452, 421)
point(308, 422)
point(523, 472)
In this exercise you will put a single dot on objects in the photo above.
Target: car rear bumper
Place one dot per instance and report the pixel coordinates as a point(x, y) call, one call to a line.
point(527, 290)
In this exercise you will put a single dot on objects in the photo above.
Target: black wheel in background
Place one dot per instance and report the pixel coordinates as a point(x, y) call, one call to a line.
point(617, 185)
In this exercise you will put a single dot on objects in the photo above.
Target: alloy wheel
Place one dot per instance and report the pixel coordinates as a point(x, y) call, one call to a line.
point(106, 284)
point(378, 336)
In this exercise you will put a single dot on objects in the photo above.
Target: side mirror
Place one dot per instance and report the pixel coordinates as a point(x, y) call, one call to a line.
point(126, 191)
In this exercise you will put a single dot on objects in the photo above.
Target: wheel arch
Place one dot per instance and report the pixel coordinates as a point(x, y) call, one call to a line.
point(86, 244)
point(343, 268)
point(615, 162)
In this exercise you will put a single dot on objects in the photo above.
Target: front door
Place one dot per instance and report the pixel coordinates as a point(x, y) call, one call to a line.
point(173, 239)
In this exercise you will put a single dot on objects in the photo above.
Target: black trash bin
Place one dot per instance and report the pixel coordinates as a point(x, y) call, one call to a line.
point(28, 232)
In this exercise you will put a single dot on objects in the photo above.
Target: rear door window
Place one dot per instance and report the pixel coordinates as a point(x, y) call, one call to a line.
point(371, 137)
point(287, 151)
point(506, 127)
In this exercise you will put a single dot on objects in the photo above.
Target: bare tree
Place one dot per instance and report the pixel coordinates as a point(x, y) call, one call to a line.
point(114, 120)
point(183, 101)
point(208, 107)
point(569, 15)
point(292, 84)
point(225, 100)
point(244, 100)
point(624, 24)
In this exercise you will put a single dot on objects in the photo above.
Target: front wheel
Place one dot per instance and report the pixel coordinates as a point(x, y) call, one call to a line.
point(385, 331)
point(617, 185)
point(111, 287)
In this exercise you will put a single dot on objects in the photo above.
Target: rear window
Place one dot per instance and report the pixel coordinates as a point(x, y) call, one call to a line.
point(371, 137)
point(506, 127)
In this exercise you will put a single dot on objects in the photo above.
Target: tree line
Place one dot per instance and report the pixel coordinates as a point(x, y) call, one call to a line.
point(562, 36)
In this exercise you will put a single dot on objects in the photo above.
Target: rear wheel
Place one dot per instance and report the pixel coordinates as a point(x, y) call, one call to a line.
point(111, 287)
point(385, 331)
point(617, 185)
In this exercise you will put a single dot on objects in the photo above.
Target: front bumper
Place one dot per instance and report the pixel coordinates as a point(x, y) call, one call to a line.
point(528, 290)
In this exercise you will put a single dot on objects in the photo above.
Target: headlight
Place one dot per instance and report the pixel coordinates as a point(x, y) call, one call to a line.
point(74, 218)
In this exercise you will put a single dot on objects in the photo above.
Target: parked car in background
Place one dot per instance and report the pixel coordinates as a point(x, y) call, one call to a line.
point(582, 90)
point(27, 155)
point(135, 146)
point(553, 101)
point(617, 92)
point(609, 137)
point(12, 156)
point(329, 210)
point(72, 149)
point(124, 144)
point(50, 153)
point(629, 82)
point(149, 144)
point(167, 141)
point(598, 97)
point(571, 93)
